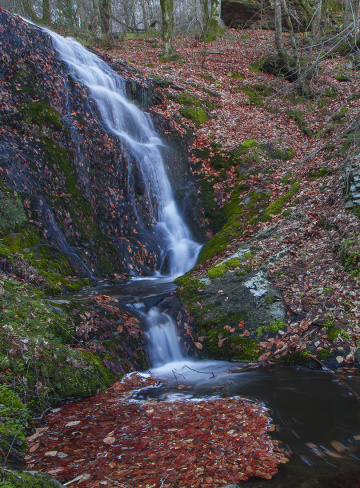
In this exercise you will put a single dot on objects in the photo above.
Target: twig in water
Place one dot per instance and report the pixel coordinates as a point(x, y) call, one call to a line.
point(218, 388)
point(200, 372)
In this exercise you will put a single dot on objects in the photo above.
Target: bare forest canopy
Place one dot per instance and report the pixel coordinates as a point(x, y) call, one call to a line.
point(104, 17)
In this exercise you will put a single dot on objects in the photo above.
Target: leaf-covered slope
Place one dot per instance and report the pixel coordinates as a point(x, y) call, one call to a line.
point(63, 176)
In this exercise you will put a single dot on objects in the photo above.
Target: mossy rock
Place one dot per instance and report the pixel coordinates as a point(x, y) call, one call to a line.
point(283, 67)
point(15, 420)
point(257, 93)
point(233, 347)
point(195, 114)
point(41, 114)
point(237, 213)
point(350, 255)
point(12, 212)
point(298, 116)
point(222, 159)
point(320, 173)
point(276, 207)
point(45, 369)
point(28, 479)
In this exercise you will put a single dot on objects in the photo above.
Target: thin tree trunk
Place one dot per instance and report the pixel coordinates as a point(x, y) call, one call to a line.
point(295, 52)
point(278, 29)
point(215, 17)
point(348, 14)
point(315, 24)
point(46, 18)
point(105, 16)
point(167, 12)
point(29, 11)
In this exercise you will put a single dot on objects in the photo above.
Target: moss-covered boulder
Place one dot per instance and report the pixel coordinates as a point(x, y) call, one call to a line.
point(30, 479)
point(230, 308)
point(246, 13)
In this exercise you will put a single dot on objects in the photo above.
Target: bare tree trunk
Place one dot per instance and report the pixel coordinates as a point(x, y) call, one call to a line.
point(295, 52)
point(315, 24)
point(94, 24)
point(167, 12)
point(349, 13)
point(105, 16)
point(46, 17)
point(29, 11)
point(278, 29)
point(215, 17)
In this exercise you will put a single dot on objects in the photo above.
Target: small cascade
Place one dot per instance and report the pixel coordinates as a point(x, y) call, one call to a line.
point(162, 334)
point(137, 133)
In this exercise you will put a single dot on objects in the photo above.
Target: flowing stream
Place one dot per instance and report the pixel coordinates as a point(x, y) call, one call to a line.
point(136, 131)
point(313, 410)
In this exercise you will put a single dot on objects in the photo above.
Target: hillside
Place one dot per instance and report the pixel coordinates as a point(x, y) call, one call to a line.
point(282, 169)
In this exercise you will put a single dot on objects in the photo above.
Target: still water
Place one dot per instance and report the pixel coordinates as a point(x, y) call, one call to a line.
point(316, 412)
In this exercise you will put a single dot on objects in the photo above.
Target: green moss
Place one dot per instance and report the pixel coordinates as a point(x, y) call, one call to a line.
point(331, 92)
point(234, 212)
point(12, 212)
point(221, 269)
point(195, 114)
point(298, 116)
point(284, 155)
point(208, 77)
point(340, 116)
point(287, 179)
point(320, 173)
point(15, 419)
point(236, 75)
point(166, 58)
point(257, 93)
point(24, 249)
point(273, 328)
point(22, 479)
point(45, 369)
point(283, 67)
point(324, 354)
point(301, 358)
point(276, 207)
point(333, 333)
point(234, 347)
point(41, 114)
point(211, 210)
point(350, 255)
point(227, 159)
point(295, 99)
point(190, 288)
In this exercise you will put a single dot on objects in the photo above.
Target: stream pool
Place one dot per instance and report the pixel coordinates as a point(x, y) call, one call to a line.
point(316, 412)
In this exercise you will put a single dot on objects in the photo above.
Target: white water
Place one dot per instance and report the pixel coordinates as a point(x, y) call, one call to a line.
point(137, 133)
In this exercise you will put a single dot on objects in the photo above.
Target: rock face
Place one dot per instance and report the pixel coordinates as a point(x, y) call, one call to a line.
point(231, 307)
point(245, 13)
point(64, 176)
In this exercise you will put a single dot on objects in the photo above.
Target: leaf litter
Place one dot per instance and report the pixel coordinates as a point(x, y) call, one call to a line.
point(200, 443)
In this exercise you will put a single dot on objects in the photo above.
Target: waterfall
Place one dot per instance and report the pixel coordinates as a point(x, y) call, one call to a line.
point(136, 131)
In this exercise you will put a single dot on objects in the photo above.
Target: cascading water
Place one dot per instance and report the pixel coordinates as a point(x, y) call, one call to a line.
point(136, 131)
